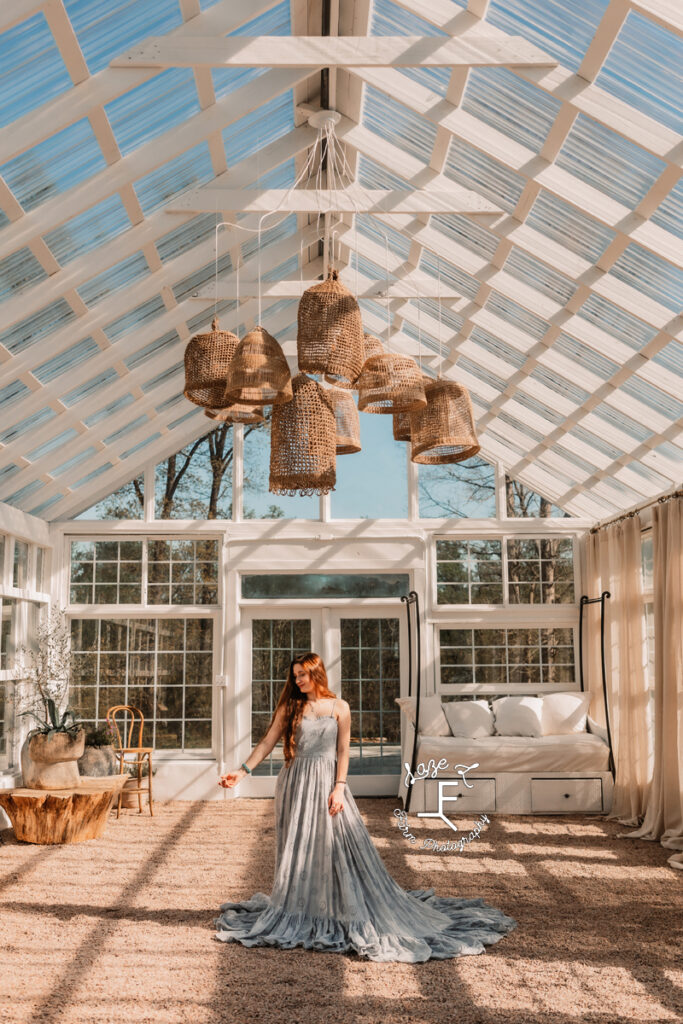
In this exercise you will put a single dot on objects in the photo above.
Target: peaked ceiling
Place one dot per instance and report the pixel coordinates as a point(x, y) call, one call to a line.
point(560, 312)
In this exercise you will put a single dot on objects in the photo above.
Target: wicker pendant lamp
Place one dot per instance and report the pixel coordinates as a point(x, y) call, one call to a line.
point(401, 424)
point(237, 414)
point(444, 431)
point(259, 374)
point(372, 346)
point(303, 442)
point(330, 332)
point(207, 362)
point(390, 383)
point(348, 424)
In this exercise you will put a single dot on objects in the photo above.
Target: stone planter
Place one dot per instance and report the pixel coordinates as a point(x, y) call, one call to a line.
point(49, 761)
point(97, 762)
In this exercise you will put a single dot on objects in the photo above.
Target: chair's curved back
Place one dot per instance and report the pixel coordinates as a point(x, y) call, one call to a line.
point(132, 714)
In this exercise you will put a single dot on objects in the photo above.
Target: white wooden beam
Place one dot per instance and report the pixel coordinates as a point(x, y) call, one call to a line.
point(105, 86)
point(350, 200)
point(474, 50)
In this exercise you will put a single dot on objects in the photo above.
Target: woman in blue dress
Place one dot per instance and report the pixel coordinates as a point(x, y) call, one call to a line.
point(331, 890)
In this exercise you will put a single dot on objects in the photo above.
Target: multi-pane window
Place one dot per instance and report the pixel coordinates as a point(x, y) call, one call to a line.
point(274, 642)
point(469, 572)
point(40, 569)
point(183, 572)
point(338, 585)
point(106, 572)
point(176, 572)
point(540, 571)
point(8, 610)
point(370, 682)
point(162, 666)
point(498, 657)
point(20, 568)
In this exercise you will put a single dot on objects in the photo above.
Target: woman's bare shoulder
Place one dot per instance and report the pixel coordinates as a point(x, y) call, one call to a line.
point(341, 707)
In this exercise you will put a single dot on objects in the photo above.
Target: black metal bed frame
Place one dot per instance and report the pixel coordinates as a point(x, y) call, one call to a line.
point(585, 600)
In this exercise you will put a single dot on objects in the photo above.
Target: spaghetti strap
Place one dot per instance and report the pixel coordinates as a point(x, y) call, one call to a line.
point(332, 711)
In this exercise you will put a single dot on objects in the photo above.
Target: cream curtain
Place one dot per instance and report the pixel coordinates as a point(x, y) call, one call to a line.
point(664, 813)
point(613, 562)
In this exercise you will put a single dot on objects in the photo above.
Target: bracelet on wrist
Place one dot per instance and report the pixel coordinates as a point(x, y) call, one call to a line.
point(340, 782)
point(247, 770)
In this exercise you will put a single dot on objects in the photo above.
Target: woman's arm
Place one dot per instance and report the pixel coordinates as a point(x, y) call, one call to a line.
point(260, 751)
point(343, 751)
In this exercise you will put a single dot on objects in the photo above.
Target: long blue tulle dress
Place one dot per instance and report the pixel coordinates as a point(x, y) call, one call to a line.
point(331, 890)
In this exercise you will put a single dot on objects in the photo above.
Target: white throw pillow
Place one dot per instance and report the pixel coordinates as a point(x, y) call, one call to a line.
point(469, 718)
point(518, 716)
point(597, 730)
point(432, 719)
point(564, 713)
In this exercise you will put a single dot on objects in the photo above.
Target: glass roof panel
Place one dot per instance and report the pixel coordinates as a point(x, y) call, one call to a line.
point(52, 444)
point(513, 106)
point(31, 69)
point(126, 429)
point(649, 274)
point(609, 162)
point(474, 170)
point(41, 509)
point(531, 271)
point(372, 175)
point(450, 275)
point(106, 28)
point(113, 279)
point(585, 356)
point(250, 133)
point(18, 272)
point(44, 415)
point(135, 318)
point(189, 170)
point(562, 222)
point(659, 402)
point(563, 30)
point(55, 165)
point(498, 347)
point(644, 67)
point(396, 123)
point(516, 315)
point(164, 102)
point(669, 213)
point(75, 460)
point(622, 422)
point(154, 348)
point(188, 234)
point(109, 409)
point(141, 444)
point(90, 229)
point(97, 383)
point(617, 322)
point(11, 392)
point(76, 355)
point(24, 492)
point(35, 327)
point(671, 357)
point(466, 232)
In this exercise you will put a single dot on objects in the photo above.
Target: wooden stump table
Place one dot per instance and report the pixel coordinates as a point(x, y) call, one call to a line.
point(62, 815)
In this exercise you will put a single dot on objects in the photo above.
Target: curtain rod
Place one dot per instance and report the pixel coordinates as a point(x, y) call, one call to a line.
point(636, 509)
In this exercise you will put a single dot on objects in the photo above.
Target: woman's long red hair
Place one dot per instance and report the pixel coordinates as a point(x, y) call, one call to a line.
point(294, 700)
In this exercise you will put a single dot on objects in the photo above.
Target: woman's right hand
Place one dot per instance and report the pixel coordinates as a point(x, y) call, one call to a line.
point(232, 778)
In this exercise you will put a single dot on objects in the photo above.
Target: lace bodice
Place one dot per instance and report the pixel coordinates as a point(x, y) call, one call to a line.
point(316, 735)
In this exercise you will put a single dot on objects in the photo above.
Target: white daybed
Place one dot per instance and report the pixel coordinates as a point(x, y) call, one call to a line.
point(561, 774)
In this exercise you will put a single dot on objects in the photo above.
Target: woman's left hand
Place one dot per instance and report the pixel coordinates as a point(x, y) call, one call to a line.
point(335, 802)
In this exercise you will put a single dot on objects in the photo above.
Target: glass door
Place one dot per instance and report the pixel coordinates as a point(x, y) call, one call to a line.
point(361, 652)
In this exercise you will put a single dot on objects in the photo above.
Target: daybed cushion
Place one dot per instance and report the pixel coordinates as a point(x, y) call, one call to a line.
point(469, 718)
point(579, 752)
point(564, 713)
point(433, 722)
point(517, 716)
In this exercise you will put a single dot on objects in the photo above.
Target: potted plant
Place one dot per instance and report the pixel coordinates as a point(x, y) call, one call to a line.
point(98, 758)
point(52, 748)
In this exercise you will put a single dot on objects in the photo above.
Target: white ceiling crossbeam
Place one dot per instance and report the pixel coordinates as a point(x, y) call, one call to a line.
point(349, 200)
point(476, 49)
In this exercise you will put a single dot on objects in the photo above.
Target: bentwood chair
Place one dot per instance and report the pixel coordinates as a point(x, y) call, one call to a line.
point(132, 717)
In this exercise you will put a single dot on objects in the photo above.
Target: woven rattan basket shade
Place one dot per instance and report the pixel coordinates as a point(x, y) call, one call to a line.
point(444, 431)
point(401, 424)
point(303, 442)
point(372, 346)
point(207, 362)
point(348, 424)
point(259, 374)
point(330, 332)
point(390, 383)
point(237, 414)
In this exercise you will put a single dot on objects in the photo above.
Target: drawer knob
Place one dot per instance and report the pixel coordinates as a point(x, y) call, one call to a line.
point(566, 795)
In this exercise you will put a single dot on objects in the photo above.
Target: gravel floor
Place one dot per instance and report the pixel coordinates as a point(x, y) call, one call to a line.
point(120, 928)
